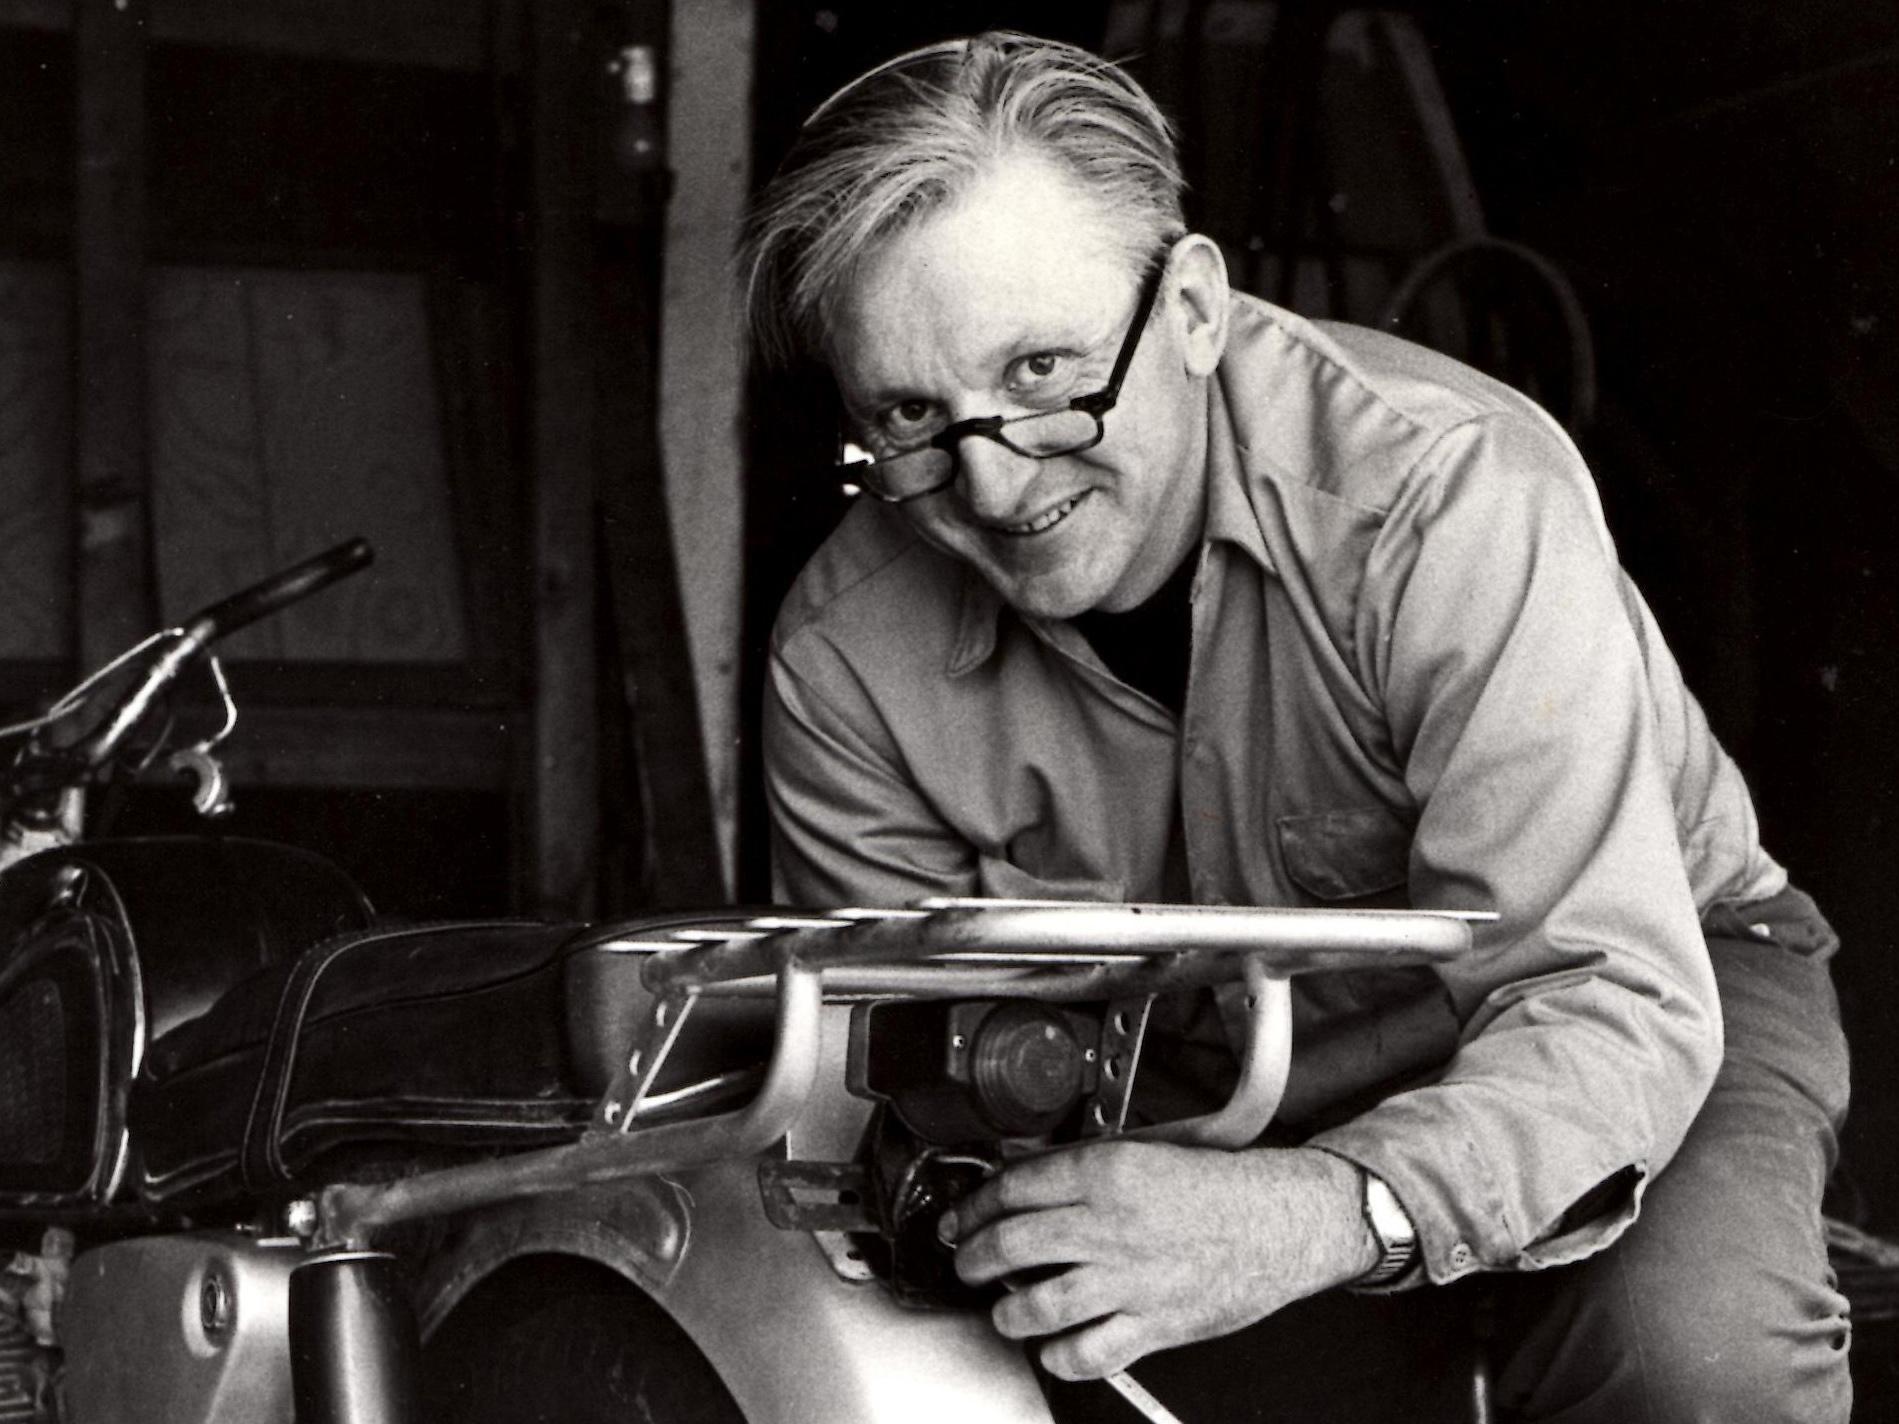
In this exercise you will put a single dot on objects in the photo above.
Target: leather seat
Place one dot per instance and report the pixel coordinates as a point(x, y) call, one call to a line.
point(406, 1045)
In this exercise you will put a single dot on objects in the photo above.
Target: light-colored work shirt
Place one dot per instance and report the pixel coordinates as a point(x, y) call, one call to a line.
point(1418, 677)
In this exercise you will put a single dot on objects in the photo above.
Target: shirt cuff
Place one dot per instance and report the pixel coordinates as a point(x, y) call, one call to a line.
point(1460, 1224)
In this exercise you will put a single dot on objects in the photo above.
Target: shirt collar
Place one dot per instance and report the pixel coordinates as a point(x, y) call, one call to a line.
point(975, 623)
point(1230, 514)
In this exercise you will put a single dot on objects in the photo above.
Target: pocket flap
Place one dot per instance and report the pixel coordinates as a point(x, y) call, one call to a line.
point(1341, 855)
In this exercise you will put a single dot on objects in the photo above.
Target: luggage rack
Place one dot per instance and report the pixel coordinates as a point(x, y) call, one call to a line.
point(938, 948)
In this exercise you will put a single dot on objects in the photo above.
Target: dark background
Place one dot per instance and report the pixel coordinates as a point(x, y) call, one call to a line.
point(1718, 185)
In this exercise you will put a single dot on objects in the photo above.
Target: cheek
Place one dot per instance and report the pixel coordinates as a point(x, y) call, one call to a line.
point(934, 521)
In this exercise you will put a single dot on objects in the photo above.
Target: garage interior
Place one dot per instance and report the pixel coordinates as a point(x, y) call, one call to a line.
point(452, 275)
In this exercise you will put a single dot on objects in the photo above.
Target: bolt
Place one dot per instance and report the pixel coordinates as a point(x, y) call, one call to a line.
point(300, 1218)
point(215, 1307)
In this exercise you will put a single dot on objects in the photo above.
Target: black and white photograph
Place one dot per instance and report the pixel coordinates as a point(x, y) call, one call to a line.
point(1061, 712)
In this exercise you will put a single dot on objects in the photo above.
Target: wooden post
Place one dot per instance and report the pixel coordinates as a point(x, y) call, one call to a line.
point(645, 572)
point(701, 369)
point(565, 821)
point(117, 598)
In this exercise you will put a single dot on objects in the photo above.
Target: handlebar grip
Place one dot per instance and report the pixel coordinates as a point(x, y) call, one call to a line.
point(278, 591)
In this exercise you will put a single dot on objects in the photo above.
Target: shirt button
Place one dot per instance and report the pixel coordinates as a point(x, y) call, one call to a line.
point(1461, 1256)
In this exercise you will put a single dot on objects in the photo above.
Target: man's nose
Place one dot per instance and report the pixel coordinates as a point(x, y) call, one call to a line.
point(992, 478)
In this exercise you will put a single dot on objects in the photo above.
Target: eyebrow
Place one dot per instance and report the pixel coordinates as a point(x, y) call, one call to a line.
point(1013, 351)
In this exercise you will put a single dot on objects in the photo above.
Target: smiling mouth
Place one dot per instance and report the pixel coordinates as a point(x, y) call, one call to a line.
point(1046, 521)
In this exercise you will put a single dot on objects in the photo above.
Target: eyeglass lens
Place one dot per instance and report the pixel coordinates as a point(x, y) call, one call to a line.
point(1040, 436)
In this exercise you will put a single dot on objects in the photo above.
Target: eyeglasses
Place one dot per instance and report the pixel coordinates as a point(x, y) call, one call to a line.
point(1067, 430)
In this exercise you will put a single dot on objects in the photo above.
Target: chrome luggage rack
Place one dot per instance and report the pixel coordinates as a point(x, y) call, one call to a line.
point(940, 948)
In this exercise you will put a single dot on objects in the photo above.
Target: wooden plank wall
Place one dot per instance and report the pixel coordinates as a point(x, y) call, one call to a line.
point(117, 601)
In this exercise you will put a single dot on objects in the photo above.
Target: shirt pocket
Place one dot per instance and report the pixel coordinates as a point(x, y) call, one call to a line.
point(1348, 854)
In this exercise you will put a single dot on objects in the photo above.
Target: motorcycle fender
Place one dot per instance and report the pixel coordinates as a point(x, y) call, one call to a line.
point(789, 1338)
point(188, 1327)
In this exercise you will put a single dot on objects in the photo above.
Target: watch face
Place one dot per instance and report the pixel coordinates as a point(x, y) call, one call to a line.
point(1389, 1221)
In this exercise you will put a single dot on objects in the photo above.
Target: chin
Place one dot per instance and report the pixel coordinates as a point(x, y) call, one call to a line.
point(1054, 598)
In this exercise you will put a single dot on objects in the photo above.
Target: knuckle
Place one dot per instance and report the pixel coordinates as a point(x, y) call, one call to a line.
point(1071, 1359)
point(1010, 1242)
point(1005, 1190)
point(1008, 1316)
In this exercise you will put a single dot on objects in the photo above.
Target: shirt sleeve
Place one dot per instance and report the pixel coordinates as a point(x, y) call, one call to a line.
point(1493, 625)
point(848, 826)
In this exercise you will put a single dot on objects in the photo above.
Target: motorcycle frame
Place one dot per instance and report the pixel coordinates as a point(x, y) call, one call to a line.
point(943, 948)
point(847, 1351)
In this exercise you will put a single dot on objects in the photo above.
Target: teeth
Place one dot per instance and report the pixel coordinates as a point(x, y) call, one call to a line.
point(1049, 520)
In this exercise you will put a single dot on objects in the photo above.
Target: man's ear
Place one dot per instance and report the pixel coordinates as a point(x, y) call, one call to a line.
point(1196, 279)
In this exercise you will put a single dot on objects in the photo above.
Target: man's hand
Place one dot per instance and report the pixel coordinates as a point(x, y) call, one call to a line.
point(1135, 1247)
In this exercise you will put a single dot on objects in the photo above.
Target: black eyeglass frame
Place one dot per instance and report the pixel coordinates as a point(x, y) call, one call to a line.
point(990, 427)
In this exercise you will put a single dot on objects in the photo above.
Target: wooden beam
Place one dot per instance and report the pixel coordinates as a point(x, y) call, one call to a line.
point(117, 602)
point(429, 34)
point(702, 368)
point(565, 820)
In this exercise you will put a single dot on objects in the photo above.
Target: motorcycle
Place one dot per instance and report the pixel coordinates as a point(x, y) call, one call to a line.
point(293, 1160)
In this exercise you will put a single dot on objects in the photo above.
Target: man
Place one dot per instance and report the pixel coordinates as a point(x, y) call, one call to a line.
point(1167, 594)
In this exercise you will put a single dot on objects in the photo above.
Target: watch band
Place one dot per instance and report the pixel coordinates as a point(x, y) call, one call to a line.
point(1391, 1226)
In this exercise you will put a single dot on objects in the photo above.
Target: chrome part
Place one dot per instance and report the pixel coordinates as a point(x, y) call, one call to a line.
point(1265, 1062)
point(179, 1327)
point(300, 1218)
point(229, 724)
point(77, 695)
point(1177, 946)
point(349, 1212)
point(217, 1311)
point(1122, 1031)
point(211, 795)
point(798, 1344)
point(1127, 951)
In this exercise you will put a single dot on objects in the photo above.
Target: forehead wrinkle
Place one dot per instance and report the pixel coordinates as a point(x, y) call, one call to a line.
point(1021, 261)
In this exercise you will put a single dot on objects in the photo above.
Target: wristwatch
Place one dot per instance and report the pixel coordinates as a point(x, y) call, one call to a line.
point(1391, 1225)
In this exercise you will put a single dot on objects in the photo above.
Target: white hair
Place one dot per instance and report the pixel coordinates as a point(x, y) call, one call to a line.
point(911, 135)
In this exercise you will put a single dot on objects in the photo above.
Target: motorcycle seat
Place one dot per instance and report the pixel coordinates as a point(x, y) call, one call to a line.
point(109, 945)
point(399, 1046)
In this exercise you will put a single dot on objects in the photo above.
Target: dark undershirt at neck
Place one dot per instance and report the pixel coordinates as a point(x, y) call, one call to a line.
point(1149, 645)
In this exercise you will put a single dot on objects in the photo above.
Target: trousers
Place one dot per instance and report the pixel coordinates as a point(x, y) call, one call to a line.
point(1717, 1304)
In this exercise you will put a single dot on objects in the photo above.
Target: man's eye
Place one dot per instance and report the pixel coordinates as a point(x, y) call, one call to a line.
point(1038, 371)
point(908, 417)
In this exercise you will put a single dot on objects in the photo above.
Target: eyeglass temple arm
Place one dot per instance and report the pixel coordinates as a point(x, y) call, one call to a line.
point(1102, 401)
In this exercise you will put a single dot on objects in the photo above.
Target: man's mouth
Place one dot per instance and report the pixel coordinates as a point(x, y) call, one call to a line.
point(1048, 519)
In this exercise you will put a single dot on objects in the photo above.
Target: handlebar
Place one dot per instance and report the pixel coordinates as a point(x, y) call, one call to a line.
point(221, 618)
point(278, 591)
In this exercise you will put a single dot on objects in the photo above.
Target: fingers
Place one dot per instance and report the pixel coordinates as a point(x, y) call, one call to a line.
point(1035, 1184)
point(1024, 1244)
point(1104, 1348)
point(1061, 1301)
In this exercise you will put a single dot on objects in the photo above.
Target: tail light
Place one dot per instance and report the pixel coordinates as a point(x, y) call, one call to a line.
point(975, 1070)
